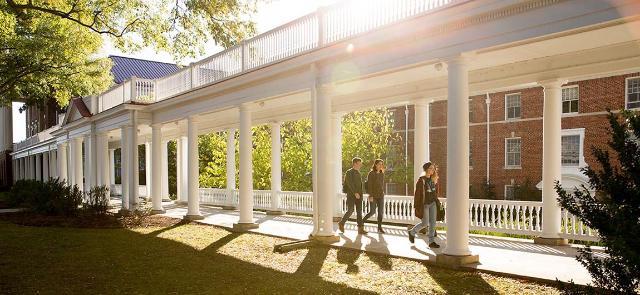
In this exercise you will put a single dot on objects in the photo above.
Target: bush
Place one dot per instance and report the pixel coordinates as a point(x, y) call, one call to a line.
point(482, 190)
point(53, 197)
point(527, 191)
point(615, 211)
point(97, 200)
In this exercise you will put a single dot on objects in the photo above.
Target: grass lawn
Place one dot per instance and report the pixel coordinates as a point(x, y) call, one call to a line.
point(200, 259)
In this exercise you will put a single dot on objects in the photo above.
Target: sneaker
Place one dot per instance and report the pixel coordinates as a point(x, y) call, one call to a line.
point(362, 231)
point(434, 245)
point(380, 230)
point(341, 227)
point(412, 237)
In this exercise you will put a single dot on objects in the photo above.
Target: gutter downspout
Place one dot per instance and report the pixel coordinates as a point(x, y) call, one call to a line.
point(488, 102)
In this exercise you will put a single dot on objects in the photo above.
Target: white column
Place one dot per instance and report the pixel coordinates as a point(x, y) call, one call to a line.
point(45, 166)
point(246, 171)
point(104, 158)
point(551, 156)
point(21, 169)
point(90, 157)
point(156, 174)
point(276, 165)
point(125, 180)
point(420, 137)
point(148, 166)
point(336, 119)
point(112, 166)
point(326, 165)
point(62, 161)
point(182, 169)
point(53, 164)
point(32, 167)
point(231, 165)
point(76, 159)
point(164, 174)
point(458, 158)
point(38, 159)
point(193, 173)
point(132, 157)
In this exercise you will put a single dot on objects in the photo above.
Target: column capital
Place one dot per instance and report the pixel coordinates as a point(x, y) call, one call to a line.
point(422, 102)
point(192, 118)
point(459, 59)
point(552, 83)
point(156, 125)
point(245, 107)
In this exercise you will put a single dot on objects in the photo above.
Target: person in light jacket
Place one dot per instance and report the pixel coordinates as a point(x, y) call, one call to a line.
point(425, 205)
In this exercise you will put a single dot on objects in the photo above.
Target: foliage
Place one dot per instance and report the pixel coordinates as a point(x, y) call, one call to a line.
point(366, 135)
point(97, 200)
point(261, 157)
point(44, 57)
point(213, 159)
point(48, 47)
point(53, 197)
point(296, 155)
point(483, 190)
point(615, 211)
point(527, 191)
point(172, 176)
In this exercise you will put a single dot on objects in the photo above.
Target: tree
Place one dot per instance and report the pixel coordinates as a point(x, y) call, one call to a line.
point(614, 211)
point(296, 155)
point(48, 46)
point(366, 135)
point(48, 58)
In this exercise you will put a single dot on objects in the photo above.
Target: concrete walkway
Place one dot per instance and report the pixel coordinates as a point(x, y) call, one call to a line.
point(508, 256)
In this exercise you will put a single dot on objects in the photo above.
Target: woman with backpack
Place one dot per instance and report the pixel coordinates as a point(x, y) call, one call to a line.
point(375, 188)
point(425, 204)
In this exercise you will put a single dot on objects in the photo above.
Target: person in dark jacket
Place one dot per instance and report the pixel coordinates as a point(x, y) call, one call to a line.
point(375, 188)
point(353, 189)
point(425, 206)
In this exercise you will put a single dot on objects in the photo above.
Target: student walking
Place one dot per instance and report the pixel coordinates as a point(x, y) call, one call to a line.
point(375, 188)
point(425, 204)
point(352, 186)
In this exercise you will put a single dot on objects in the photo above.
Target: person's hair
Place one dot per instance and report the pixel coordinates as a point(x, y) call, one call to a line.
point(425, 167)
point(375, 163)
point(355, 160)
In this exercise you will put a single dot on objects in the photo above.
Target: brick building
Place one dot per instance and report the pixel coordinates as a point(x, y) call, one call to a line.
point(515, 125)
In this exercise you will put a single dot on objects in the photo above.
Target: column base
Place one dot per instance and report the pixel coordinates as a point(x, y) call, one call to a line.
point(192, 217)
point(337, 218)
point(228, 207)
point(325, 239)
point(180, 202)
point(455, 261)
point(551, 241)
point(243, 227)
point(275, 212)
point(154, 212)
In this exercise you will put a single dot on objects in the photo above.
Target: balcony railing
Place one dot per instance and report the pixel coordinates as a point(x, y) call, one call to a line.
point(323, 27)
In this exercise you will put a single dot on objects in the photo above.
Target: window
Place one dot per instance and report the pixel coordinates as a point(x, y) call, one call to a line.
point(633, 93)
point(512, 106)
point(470, 155)
point(512, 152)
point(571, 150)
point(509, 192)
point(570, 97)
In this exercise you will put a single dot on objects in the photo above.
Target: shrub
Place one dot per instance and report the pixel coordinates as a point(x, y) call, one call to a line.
point(527, 191)
point(53, 197)
point(22, 192)
point(482, 190)
point(97, 200)
point(615, 211)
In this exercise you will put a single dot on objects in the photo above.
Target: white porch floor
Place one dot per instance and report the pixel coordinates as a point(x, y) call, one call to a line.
point(501, 255)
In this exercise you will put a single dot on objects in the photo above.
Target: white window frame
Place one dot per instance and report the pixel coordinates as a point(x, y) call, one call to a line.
point(626, 93)
point(506, 110)
point(506, 186)
point(581, 162)
point(506, 158)
point(578, 99)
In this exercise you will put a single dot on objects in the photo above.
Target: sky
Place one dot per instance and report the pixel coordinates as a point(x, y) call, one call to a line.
point(271, 13)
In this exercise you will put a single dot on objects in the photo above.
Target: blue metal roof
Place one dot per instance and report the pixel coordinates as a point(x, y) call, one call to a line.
point(125, 67)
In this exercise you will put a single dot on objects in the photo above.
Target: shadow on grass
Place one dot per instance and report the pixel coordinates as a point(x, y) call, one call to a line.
point(460, 282)
point(348, 256)
point(58, 260)
point(378, 255)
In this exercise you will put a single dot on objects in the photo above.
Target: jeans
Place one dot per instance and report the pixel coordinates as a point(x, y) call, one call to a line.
point(428, 220)
point(376, 203)
point(353, 202)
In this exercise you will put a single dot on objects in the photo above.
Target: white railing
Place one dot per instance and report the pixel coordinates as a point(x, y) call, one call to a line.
point(116, 190)
point(512, 217)
point(326, 26)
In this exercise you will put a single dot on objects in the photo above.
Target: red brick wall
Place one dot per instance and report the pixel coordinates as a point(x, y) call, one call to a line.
point(595, 97)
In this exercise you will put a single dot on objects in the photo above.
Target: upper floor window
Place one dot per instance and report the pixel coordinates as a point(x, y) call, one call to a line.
point(633, 93)
point(512, 106)
point(513, 147)
point(570, 99)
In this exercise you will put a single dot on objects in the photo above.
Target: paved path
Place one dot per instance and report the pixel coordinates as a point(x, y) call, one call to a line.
point(503, 255)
